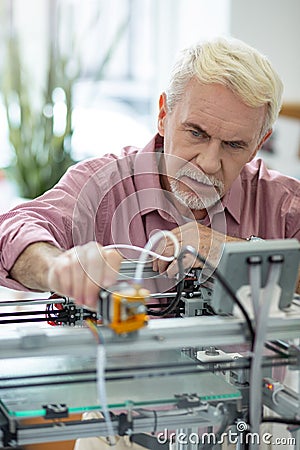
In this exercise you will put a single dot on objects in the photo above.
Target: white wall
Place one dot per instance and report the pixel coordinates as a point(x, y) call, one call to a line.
point(180, 23)
point(273, 27)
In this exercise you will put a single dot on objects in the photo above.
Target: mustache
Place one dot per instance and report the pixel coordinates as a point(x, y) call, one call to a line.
point(199, 176)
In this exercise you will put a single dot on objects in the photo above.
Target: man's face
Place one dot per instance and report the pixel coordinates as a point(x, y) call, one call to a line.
point(208, 137)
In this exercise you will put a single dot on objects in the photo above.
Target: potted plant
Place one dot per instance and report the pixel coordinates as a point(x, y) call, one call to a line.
point(39, 119)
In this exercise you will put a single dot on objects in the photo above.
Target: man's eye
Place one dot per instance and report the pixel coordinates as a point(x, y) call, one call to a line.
point(198, 133)
point(234, 145)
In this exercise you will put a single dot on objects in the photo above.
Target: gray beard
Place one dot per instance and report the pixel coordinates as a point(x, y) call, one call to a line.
point(191, 199)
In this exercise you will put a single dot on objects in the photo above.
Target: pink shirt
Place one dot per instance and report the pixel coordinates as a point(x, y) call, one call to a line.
point(119, 199)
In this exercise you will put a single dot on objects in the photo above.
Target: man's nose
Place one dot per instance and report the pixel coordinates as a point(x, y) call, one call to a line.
point(209, 157)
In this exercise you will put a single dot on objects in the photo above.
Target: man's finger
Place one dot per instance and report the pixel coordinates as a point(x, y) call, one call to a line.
point(112, 263)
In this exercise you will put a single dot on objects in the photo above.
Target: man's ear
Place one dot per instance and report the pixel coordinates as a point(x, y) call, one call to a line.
point(260, 144)
point(162, 113)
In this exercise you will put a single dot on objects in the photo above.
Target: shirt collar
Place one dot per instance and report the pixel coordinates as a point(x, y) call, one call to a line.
point(146, 177)
point(232, 200)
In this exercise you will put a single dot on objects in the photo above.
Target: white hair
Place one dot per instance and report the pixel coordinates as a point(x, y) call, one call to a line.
point(234, 64)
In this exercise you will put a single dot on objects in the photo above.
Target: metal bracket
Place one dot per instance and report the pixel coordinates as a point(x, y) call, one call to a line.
point(56, 411)
point(187, 400)
point(125, 425)
point(294, 351)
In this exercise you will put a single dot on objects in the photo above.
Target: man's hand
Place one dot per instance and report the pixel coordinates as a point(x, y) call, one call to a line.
point(207, 242)
point(78, 273)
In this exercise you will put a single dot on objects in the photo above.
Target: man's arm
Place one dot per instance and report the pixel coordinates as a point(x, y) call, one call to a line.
point(32, 266)
point(77, 273)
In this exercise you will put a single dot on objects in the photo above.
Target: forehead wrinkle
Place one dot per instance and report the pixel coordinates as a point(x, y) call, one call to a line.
point(218, 128)
point(215, 109)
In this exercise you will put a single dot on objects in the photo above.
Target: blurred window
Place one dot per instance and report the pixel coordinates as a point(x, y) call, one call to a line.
point(118, 53)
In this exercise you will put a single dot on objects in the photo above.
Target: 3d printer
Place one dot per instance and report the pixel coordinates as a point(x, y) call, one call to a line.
point(201, 367)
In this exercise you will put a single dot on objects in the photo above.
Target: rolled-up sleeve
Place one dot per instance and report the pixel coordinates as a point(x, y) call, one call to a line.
point(48, 218)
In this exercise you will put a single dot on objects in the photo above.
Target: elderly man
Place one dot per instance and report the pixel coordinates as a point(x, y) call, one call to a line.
point(198, 177)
